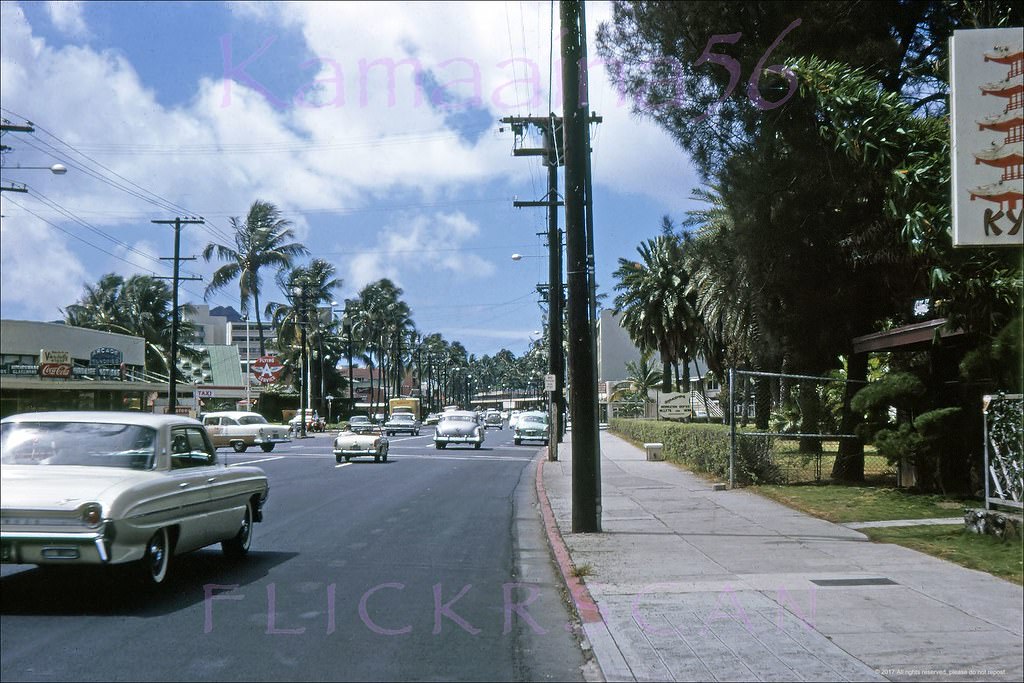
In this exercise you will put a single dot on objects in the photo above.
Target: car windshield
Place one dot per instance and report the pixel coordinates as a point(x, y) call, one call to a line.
point(252, 420)
point(359, 420)
point(402, 418)
point(77, 443)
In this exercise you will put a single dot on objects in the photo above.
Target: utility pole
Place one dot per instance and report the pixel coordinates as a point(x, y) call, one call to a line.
point(172, 388)
point(7, 127)
point(586, 450)
point(551, 128)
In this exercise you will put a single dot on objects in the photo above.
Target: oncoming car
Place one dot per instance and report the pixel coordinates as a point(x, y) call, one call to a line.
point(402, 423)
point(531, 426)
point(120, 488)
point(492, 418)
point(459, 426)
point(360, 424)
point(349, 444)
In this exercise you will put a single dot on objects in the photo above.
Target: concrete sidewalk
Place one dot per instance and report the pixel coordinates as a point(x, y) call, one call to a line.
point(692, 584)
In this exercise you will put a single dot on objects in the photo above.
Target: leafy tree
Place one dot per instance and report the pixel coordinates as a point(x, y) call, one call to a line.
point(658, 312)
point(139, 306)
point(261, 241)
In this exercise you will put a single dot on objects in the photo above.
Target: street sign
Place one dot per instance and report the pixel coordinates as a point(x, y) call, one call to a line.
point(266, 369)
point(549, 382)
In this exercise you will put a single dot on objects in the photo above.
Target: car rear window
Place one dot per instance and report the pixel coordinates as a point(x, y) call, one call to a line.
point(77, 443)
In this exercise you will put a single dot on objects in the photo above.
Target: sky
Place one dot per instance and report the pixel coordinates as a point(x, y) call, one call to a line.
point(174, 109)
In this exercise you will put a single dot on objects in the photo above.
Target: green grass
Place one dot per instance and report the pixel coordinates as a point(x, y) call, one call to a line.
point(869, 504)
point(864, 503)
point(985, 553)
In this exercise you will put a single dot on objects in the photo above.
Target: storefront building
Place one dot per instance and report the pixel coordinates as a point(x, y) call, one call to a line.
point(52, 366)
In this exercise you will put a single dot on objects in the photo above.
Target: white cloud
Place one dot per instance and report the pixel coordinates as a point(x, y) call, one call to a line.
point(67, 17)
point(439, 243)
point(41, 270)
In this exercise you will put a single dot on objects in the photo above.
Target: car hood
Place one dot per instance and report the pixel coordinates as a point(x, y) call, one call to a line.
point(36, 487)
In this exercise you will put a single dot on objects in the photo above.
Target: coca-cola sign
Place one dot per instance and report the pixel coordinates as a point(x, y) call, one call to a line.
point(54, 364)
point(58, 370)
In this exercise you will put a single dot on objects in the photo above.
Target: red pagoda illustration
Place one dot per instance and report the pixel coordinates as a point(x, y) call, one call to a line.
point(1008, 192)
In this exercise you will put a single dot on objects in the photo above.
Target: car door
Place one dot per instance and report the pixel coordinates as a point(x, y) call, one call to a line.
point(194, 472)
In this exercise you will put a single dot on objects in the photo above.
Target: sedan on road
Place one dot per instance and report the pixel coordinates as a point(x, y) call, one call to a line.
point(531, 426)
point(350, 444)
point(402, 423)
point(459, 426)
point(111, 488)
point(360, 424)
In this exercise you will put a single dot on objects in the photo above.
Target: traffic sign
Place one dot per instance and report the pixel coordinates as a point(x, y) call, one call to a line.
point(266, 369)
point(549, 382)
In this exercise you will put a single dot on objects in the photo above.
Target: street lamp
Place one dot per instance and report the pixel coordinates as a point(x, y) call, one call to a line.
point(329, 398)
point(347, 325)
point(56, 169)
point(298, 301)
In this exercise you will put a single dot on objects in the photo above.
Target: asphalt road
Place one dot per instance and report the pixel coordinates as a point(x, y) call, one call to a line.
point(432, 566)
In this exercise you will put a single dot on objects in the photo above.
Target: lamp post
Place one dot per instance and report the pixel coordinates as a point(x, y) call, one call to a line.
point(348, 336)
point(329, 399)
point(298, 300)
point(248, 370)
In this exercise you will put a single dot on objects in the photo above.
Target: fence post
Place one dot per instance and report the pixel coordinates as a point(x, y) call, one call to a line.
point(732, 427)
point(984, 421)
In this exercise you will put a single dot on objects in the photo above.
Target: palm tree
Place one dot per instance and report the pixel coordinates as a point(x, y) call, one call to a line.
point(139, 306)
point(261, 241)
point(317, 284)
point(657, 309)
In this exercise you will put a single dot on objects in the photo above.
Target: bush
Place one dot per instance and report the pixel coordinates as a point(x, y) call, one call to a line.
point(705, 448)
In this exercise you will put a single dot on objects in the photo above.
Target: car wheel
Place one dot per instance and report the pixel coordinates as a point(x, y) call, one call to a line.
point(439, 446)
point(337, 459)
point(238, 546)
point(348, 458)
point(477, 446)
point(518, 442)
point(384, 457)
point(267, 447)
point(154, 563)
point(376, 457)
point(239, 447)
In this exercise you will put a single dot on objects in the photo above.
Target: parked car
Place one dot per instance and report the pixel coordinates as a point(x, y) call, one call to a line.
point(349, 444)
point(360, 424)
point(513, 418)
point(459, 426)
point(239, 430)
point(531, 426)
point(402, 423)
point(113, 488)
point(492, 418)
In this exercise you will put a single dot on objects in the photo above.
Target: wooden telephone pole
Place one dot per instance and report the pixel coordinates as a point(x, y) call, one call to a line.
point(172, 387)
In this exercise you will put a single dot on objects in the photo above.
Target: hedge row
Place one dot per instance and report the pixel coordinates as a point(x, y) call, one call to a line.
point(704, 448)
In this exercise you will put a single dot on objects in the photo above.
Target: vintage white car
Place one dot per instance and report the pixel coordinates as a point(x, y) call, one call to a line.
point(531, 426)
point(113, 488)
point(349, 444)
point(402, 423)
point(240, 429)
point(459, 426)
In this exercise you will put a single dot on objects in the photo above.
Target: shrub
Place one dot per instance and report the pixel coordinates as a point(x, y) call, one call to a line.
point(705, 448)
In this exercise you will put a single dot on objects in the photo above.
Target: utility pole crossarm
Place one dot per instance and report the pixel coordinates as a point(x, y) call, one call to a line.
point(172, 370)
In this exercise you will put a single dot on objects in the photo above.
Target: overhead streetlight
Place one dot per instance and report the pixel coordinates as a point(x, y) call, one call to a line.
point(56, 169)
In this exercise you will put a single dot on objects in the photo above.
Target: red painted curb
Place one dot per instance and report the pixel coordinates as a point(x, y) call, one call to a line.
point(585, 605)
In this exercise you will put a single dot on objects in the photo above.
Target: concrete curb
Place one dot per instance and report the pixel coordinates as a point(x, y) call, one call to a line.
point(608, 657)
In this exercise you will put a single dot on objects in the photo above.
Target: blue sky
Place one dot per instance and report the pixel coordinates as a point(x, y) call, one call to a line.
point(164, 109)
